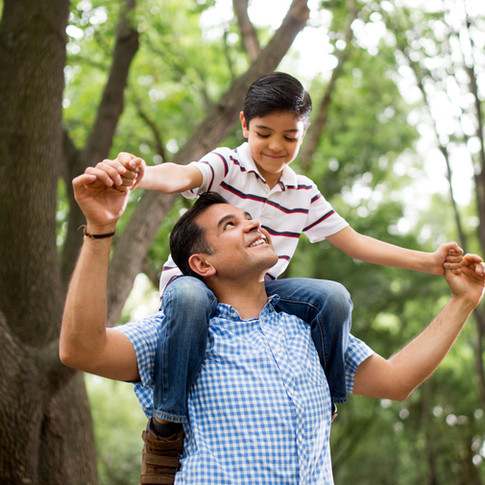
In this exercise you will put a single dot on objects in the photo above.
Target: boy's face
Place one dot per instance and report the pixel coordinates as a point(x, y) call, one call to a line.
point(274, 141)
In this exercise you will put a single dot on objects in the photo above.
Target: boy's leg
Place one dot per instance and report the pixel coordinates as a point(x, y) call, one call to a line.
point(187, 304)
point(326, 306)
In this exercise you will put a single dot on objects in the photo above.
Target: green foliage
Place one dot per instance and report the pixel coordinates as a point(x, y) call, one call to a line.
point(367, 127)
point(118, 423)
point(365, 165)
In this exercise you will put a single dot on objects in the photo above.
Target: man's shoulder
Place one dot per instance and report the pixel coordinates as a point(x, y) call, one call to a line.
point(146, 329)
point(357, 351)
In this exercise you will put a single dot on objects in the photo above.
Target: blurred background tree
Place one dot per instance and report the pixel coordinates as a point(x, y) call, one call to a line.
point(84, 80)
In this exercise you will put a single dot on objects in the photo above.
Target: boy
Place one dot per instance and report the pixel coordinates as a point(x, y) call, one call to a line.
point(257, 178)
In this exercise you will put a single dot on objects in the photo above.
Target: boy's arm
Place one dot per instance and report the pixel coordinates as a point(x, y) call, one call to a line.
point(85, 342)
point(398, 376)
point(371, 250)
point(167, 178)
point(170, 178)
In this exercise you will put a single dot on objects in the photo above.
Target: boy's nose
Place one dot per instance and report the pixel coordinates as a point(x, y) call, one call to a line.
point(275, 145)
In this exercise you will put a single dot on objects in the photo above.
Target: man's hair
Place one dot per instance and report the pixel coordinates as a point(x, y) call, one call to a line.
point(276, 92)
point(187, 237)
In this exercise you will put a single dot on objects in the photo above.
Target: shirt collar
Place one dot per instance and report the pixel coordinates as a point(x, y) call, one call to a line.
point(227, 311)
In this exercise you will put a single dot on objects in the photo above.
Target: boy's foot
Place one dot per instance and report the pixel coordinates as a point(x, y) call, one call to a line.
point(161, 457)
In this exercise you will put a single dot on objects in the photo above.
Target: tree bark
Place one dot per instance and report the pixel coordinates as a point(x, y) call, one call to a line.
point(46, 434)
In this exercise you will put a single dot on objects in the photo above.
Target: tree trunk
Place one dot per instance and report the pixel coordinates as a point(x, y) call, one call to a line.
point(46, 435)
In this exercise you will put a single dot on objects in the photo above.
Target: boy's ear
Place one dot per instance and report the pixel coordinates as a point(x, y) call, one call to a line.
point(244, 125)
point(199, 264)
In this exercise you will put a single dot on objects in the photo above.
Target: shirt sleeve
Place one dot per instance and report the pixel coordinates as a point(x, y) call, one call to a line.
point(144, 337)
point(322, 219)
point(214, 167)
point(357, 351)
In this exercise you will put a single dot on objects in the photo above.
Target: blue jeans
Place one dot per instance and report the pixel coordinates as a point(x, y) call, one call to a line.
point(188, 305)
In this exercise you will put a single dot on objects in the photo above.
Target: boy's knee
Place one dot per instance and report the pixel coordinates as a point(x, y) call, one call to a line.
point(186, 291)
point(338, 300)
point(341, 294)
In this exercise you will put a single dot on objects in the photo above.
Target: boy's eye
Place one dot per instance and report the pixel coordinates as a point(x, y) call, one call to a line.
point(288, 138)
point(262, 135)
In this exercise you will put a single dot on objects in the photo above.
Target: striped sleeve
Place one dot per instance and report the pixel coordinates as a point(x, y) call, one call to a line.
point(214, 167)
point(322, 219)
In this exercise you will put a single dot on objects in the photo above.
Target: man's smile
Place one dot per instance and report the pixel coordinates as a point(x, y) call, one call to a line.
point(260, 240)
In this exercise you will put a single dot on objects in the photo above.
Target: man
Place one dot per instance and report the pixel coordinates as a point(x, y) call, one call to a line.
point(260, 410)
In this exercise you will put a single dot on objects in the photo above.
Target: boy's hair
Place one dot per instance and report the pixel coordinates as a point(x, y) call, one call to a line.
point(277, 91)
point(187, 237)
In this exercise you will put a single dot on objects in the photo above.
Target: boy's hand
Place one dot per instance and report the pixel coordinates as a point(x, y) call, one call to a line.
point(448, 256)
point(123, 173)
point(132, 164)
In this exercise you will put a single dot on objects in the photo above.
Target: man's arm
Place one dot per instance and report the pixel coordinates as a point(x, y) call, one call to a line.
point(396, 377)
point(85, 342)
point(371, 250)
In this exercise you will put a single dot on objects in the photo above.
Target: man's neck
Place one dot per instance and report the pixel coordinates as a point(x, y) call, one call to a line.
point(247, 299)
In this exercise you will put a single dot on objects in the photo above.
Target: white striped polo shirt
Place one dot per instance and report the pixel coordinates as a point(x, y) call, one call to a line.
point(294, 206)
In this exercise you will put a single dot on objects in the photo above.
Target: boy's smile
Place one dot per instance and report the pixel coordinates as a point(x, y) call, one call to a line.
point(274, 141)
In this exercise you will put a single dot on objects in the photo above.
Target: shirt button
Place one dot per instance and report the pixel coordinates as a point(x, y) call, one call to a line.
point(277, 349)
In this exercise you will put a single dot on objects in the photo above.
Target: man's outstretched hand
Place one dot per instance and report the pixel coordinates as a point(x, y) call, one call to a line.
point(469, 283)
point(102, 193)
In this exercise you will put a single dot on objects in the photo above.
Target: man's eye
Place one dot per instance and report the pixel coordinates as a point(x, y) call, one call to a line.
point(228, 225)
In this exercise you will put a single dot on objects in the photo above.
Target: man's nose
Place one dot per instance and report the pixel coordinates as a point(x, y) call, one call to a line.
point(252, 224)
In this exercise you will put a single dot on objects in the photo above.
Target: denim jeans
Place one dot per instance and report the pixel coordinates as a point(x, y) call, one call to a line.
point(188, 305)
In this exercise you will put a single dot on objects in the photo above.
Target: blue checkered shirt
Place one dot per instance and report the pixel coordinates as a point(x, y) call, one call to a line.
point(260, 409)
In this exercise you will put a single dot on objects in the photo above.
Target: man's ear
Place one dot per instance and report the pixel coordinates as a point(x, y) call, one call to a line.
point(244, 125)
point(199, 264)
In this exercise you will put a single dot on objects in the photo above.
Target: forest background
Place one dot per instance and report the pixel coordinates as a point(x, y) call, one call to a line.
point(396, 144)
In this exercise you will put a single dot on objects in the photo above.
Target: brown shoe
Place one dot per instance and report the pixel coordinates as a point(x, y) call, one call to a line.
point(334, 413)
point(161, 457)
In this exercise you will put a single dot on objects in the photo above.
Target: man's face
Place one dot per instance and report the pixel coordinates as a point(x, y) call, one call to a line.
point(274, 141)
point(240, 246)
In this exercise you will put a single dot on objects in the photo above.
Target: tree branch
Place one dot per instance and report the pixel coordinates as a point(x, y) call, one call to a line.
point(101, 137)
point(248, 32)
point(318, 125)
